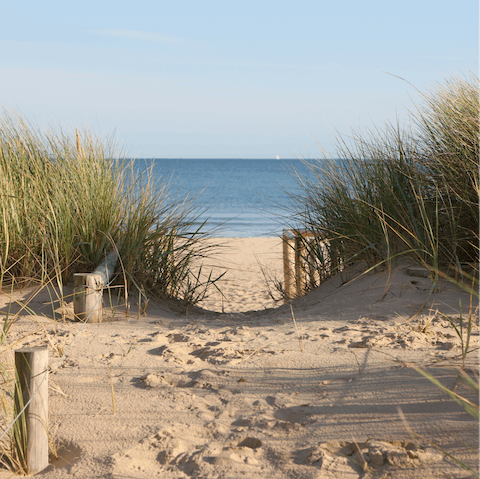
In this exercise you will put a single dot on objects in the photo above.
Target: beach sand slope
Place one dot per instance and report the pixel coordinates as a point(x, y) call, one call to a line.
point(253, 394)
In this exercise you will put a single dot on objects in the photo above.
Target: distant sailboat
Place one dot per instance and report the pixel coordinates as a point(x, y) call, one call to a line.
point(278, 157)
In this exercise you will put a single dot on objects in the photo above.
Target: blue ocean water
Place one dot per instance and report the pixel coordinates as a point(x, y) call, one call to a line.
point(244, 192)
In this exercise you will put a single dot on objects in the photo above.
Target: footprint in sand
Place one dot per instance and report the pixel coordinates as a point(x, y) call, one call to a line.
point(242, 454)
point(351, 460)
point(165, 449)
point(203, 379)
point(188, 453)
point(213, 352)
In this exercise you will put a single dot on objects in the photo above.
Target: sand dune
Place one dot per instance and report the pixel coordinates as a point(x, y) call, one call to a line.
point(248, 394)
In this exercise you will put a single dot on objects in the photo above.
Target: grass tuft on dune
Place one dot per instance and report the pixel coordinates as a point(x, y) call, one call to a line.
point(401, 190)
point(68, 198)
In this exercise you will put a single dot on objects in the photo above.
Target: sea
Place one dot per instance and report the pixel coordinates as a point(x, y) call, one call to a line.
point(243, 197)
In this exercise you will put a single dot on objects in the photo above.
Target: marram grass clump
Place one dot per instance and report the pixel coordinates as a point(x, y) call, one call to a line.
point(66, 200)
point(404, 191)
point(396, 191)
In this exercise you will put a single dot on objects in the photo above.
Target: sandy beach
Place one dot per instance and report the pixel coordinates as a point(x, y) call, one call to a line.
point(251, 265)
point(249, 393)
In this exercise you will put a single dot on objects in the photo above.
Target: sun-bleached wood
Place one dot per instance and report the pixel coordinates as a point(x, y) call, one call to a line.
point(287, 266)
point(106, 268)
point(88, 289)
point(31, 430)
point(88, 297)
point(295, 272)
point(299, 264)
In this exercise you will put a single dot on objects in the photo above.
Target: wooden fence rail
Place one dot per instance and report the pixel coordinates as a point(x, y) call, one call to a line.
point(88, 290)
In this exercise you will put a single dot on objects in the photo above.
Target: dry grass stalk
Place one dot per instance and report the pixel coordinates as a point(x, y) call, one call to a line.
point(299, 336)
point(113, 391)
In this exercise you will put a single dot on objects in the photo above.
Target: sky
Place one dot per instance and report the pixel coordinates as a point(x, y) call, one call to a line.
point(228, 79)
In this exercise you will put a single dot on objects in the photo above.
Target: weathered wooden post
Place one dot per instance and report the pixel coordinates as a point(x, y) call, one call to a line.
point(30, 436)
point(88, 297)
point(298, 273)
point(88, 290)
point(311, 262)
point(299, 262)
point(287, 266)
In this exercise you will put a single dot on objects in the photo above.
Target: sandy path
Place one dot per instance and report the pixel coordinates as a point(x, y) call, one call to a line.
point(211, 395)
point(244, 286)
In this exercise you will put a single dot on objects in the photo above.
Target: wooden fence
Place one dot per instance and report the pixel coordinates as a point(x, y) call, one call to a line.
point(88, 290)
point(307, 261)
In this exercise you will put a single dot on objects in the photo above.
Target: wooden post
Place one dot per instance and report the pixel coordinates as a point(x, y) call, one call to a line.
point(88, 290)
point(88, 297)
point(311, 266)
point(287, 268)
point(30, 436)
point(299, 263)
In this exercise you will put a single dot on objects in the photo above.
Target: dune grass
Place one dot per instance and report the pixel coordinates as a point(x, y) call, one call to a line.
point(401, 191)
point(66, 200)
point(404, 191)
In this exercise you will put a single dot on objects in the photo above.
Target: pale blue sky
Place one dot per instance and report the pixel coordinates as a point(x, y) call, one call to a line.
point(228, 79)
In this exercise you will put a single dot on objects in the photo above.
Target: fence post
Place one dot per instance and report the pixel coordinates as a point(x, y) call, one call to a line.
point(30, 436)
point(311, 267)
point(88, 297)
point(287, 268)
point(88, 289)
point(299, 262)
point(296, 275)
